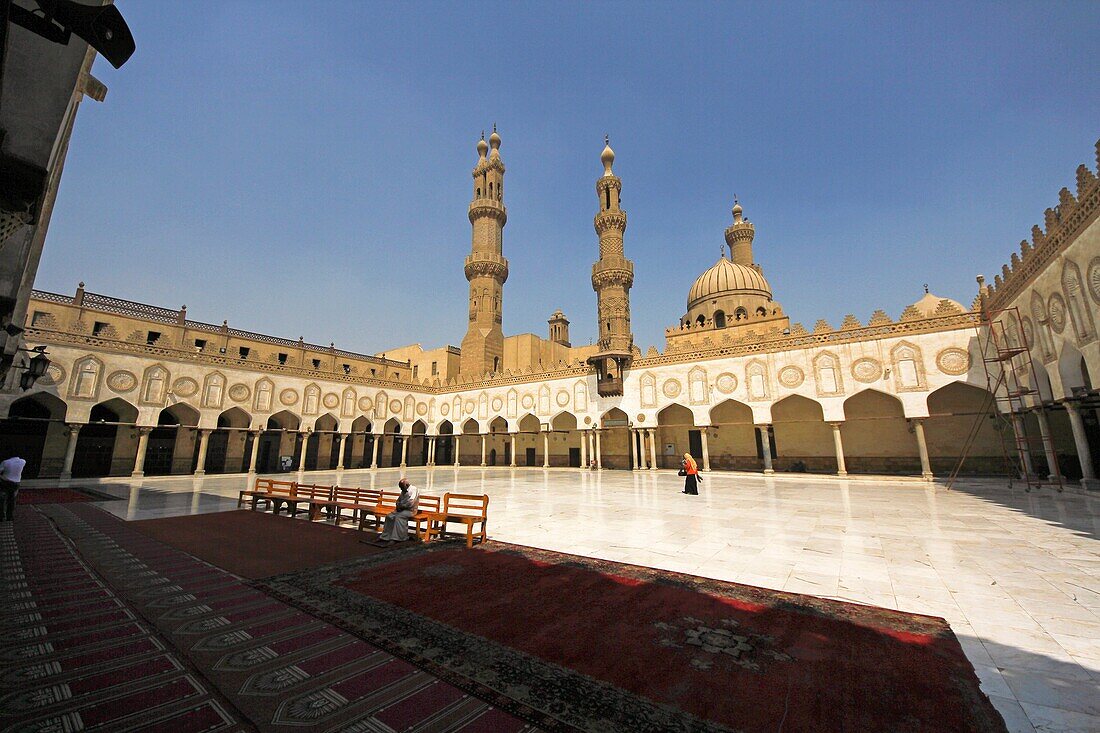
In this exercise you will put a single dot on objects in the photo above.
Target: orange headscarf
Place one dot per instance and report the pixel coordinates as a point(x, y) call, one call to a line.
point(689, 464)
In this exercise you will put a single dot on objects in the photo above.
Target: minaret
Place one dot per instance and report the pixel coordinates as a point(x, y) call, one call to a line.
point(612, 277)
point(559, 328)
point(486, 268)
point(739, 238)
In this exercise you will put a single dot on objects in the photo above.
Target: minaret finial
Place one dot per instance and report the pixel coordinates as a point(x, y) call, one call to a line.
point(926, 288)
point(607, 157)
point(606, 139)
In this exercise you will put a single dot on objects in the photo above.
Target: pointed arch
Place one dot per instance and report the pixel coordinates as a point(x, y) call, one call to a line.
point(283, 420)
point(392, 426)
point(529, 424)
point(43, 404)
point(675, 414)
point(180, 413)
point(498, 425)
point(326, 423)
point(213, 390)
point(564, 420)
point(234, 417)
point(471, 427)
point(731, 411)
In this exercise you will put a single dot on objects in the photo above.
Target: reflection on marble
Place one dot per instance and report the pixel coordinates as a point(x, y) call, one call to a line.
point(1017, 575)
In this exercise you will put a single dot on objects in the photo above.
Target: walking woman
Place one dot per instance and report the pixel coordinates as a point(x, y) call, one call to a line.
point(691, 471)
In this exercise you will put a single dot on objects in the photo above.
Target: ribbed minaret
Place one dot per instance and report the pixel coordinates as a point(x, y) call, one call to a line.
point(612, 277)
point(739, 238)
point(486, 268)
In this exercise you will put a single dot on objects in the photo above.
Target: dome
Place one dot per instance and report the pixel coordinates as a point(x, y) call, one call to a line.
point(929, 303)
point(726, 278)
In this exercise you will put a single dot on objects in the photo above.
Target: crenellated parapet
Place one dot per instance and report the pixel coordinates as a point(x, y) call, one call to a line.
point(1061, 225)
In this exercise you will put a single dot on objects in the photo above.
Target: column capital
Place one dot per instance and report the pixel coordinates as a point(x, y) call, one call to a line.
point(762, 425)
point(835, 424)
point(74, 427)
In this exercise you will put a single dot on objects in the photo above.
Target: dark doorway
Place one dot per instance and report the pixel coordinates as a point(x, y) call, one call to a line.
point(23, 434)
point(395, 454)
point(160, 451)
point(529, 456)
point(695, 447)
point(575, 457)
point(492, 456)
point(216, 448)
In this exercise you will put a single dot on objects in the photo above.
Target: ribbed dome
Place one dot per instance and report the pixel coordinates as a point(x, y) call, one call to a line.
point(927, 305)
point(726, 278)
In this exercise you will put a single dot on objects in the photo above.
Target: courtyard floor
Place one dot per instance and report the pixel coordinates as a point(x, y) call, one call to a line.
point(1017, 575)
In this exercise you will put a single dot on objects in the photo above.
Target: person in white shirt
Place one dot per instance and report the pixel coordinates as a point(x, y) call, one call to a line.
point(396, 527)
point(11, 473)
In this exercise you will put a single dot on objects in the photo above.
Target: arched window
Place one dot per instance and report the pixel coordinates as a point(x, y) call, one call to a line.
point(496, 363)
point(700, 320)
point(740, 314)
point(719, 319)
point(608, 192)
point(479, 191)
point(761, 311)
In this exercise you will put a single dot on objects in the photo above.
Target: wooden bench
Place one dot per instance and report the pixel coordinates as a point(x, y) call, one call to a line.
point(356, 499)
point(306, 494)
point(269, 491)
point(467, 509)
point(427, 507)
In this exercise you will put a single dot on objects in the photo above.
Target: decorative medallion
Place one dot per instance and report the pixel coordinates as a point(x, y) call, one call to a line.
point(239, 392)
point(1056, 311)
point(366, 404)
point(866, 370)
point(290, 397)
point(185, 387)
point(726, 383)
point(122, 381)
point(587, 420)
point(722, 645)
point(791, 376)
point(331, 400)
point(422, 408)
point(444, 409)
point(953, 361)
point(528, 401)
point(469, 406)
point(55, 374)
point(562, 398)
point(395, 407)
point(497, 404)
point(1092, 279)
point(671, 388)
point(641, 417)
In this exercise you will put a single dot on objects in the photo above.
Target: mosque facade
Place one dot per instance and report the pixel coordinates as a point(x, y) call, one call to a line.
point(140, 390)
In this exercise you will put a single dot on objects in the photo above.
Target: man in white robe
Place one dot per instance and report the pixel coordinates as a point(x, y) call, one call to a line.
point(396, 526)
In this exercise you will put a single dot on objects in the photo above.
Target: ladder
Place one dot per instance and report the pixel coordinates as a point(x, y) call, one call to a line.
point(1004, 357)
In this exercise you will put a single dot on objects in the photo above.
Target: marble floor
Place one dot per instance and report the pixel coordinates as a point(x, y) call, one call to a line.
point(1017, 575)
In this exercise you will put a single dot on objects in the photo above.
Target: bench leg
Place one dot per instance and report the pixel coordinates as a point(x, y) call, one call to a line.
point(469, 535)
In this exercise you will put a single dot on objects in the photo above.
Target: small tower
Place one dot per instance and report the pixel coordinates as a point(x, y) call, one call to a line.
point(612, 277)
point(559, 328)
point(739, 237)
point(486, 269)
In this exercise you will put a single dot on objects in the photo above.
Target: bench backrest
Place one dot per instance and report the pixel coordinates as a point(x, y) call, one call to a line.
point(428, 504)
point(314, 491)
point(466, 505)
point(282, 488)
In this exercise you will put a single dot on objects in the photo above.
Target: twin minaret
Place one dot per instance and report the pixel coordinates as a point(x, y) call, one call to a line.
point(486, 268)
point(487, 271)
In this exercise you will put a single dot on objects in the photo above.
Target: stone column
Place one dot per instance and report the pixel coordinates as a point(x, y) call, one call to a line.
point(483, 437)
point(599, 450)
point(70, 451)
point(591, 446)
point(634, 448)
point(375, 440)
point(546, 449)
point(1081, 441)
point(512, 438)
point(431, 451)
point(1048, 442)
point(584, 449)
point(338, 440)
point(922, 448)
point(652, 448)
point(1022, 446)
point(766, 445)
point(838, 444)
point(458, 450)
point(139, 459)
point(302, 457)
point(404, 448)
point(706, 449)
point(255, 451)
point(204, 442)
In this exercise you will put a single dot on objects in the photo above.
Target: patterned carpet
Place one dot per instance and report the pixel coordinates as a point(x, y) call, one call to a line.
point(578, 643)
point(53, 495)
point(116, 631)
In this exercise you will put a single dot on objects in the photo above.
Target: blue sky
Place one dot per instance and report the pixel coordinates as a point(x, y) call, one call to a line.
point(304, 169)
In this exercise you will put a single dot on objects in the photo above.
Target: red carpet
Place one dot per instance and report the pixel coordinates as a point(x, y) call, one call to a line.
point(36, 495)
point(603, 646)
point(257, 544)
point(114, 631)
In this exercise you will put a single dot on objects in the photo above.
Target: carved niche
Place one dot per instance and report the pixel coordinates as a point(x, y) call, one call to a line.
point(827, 377)
point(311, 402)
point(213, 390)
point(698, 388)
point(263, 395)
point(84, 383)
point(648, 388)
point(154, 385)
point(756, 377)
point(908, 367)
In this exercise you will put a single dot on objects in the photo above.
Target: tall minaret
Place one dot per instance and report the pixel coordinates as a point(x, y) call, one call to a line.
point(612, 277)
point(486, 268)
point(739, 237)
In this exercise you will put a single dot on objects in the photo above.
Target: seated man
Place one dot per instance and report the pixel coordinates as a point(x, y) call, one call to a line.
point(396, 527)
